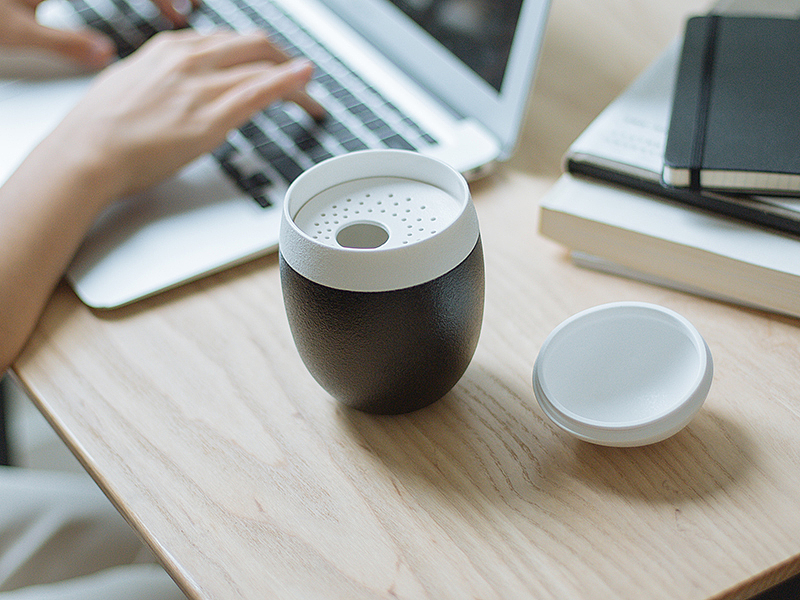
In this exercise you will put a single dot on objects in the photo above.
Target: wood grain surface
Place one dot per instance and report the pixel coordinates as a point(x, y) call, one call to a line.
point(195, 415)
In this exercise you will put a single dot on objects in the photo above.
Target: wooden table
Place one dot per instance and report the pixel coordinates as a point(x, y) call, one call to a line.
point(195, 415)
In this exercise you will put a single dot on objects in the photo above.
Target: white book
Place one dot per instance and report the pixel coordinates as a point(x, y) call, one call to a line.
point(637, 235)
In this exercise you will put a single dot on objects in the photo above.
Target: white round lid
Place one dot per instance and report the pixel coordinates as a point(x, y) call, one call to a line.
point(623, 374)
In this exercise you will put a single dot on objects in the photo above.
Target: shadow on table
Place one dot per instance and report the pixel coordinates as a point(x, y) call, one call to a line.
point(489, 437)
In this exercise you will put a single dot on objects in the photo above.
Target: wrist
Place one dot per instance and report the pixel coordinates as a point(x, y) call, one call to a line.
point(81, 170)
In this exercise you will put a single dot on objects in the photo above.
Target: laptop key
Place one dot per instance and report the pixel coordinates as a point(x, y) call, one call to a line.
point(354, 144)
point(398, 142)
point(287, 167)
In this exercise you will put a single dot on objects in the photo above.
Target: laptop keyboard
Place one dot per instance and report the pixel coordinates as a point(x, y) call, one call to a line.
point(266, 154)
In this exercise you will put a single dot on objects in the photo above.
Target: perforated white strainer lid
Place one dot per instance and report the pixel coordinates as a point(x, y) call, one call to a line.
point(377, 220)
point(623, 374)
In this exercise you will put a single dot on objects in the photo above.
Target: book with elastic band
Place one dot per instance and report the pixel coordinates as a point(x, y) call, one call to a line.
point(735, 121)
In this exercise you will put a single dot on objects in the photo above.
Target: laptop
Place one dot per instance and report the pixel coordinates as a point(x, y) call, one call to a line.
point(446, 78)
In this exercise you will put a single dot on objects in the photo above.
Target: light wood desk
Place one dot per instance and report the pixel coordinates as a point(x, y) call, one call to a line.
point(194, 413)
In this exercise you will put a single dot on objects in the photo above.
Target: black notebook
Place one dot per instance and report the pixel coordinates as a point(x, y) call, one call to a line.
point(735, 122)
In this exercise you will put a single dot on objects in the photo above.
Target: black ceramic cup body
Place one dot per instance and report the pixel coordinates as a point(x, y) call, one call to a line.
point(383, 278)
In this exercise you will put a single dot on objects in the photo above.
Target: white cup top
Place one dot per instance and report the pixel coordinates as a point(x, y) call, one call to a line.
point(377, 220)
point(374, 212)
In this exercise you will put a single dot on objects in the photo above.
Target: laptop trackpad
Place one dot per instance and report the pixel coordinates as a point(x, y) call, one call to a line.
point(193, 224)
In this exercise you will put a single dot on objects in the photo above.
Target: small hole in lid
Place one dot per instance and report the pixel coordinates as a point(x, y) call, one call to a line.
point(362, 235)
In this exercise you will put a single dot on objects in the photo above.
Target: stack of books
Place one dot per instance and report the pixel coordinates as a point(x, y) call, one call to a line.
point(690, 178)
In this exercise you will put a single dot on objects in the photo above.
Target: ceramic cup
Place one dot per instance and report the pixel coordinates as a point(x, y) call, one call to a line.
point(382, 276)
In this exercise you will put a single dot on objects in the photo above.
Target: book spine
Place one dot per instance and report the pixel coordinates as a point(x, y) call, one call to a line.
point(687, 130)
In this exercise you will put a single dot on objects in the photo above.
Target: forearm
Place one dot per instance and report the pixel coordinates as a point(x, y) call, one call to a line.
point(46, 208)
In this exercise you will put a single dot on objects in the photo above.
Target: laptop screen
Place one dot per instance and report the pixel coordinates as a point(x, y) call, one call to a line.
point(478, 57)
point(478, 32)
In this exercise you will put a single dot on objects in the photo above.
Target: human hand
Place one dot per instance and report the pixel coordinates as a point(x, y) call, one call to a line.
point(20, 29)
point(174, 99)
